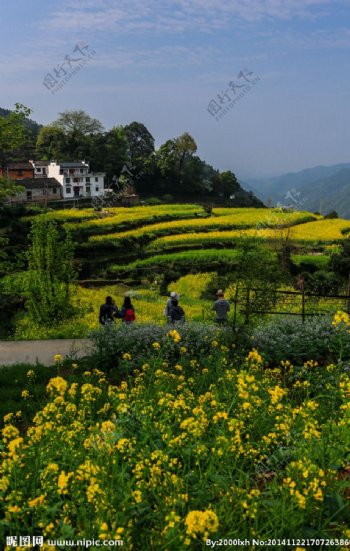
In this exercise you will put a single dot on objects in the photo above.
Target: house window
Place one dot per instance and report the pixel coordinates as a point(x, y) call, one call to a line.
point(97, 188)
point(68, 190)
point(19, 172)
point(76, 180)
point(54, 190)
point(96, 179)
point(38, 169)
point(29, 194)
point(88, 180)
point(88, 189)
point(81, 171)
point(67, 180)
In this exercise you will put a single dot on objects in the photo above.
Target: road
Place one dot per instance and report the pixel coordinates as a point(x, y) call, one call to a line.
point(43, 352)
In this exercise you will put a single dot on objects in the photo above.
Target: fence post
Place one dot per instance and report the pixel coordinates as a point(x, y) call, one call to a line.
point(235, 307)
point(348, 293)
point(303, 304)
point(247, 306)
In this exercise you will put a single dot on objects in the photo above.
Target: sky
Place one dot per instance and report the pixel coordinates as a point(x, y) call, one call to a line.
point(261, 85)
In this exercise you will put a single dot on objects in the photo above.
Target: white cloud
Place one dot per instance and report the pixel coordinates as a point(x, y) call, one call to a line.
point(179, 15)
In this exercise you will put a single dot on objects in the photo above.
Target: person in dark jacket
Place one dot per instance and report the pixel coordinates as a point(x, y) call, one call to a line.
point(108, 312)
point(173, 296)
point(127, 312)
point(176, 313)
point(221, 307)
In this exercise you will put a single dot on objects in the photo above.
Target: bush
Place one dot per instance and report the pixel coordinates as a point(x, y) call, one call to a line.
point(289, 339)
point(153, 201)
point(110, 343)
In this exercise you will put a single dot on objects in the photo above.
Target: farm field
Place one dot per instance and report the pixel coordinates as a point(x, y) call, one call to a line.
point(151, 250)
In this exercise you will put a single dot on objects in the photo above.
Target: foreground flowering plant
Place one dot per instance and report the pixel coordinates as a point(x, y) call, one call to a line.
point(182, 451)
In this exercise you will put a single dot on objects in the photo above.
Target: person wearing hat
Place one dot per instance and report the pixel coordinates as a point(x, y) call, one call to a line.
point(221, 307)
point(173, 296)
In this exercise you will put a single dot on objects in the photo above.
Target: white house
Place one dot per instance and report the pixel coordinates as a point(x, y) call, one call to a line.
point(40, 168)
point(76, 179)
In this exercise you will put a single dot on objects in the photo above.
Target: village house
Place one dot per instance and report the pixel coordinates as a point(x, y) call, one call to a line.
point(76, 179)
point(40, 168)
point(38, 190)
point(17, 171)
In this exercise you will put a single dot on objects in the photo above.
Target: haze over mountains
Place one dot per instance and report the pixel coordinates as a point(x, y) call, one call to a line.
point(318, 189)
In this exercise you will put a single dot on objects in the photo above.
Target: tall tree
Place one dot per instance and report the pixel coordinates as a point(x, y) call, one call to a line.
point(79, 130)
point(13, 136)
point(50, 273)
point(78, 123)
point(178, 168)
point(51, 143)
point(109, 152)
point(140, 141)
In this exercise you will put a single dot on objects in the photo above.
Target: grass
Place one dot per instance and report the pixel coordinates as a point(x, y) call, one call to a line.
point(148, 302)
point(320, 262)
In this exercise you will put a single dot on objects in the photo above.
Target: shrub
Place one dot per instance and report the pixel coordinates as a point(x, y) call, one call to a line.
point(110, 343)
point(288, 338)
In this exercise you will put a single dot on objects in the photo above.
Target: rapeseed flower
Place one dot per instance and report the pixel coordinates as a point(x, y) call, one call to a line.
point(201, 523)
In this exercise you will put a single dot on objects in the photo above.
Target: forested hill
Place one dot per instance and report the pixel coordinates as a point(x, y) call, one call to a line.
point(173, 171)
point(32, 126)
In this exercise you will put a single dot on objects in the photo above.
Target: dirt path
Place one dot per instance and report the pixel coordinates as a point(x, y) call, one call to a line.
point(43, 352)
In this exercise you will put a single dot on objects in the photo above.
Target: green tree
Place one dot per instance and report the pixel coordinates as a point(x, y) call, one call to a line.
point(78, 123)
point(257, 277)
point(179, 170)
point(13, 136)
point(51, 143)
point(50, 273)
point(140, 141)
point(78, 132)
point(108, 152)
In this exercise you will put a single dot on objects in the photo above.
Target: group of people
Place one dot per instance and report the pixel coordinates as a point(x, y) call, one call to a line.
point(109, 311)
point(173, 312)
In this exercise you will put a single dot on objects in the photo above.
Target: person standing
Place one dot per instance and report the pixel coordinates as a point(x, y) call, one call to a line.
point(108, 312)
point(221, 307)
point(127, 312)
point(176, 313)
point(173, 296)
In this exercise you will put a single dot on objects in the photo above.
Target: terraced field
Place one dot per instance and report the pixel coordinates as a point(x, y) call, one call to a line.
point(123, 242)
point(147, 251)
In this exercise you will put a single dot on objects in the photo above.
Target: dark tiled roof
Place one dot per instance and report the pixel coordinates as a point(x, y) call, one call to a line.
point(74, 164)
point(39, 183)
point(20, 166)
point(41, 163)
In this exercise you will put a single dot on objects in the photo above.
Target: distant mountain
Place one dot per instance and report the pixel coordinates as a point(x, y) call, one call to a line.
point(324, 188)
point(327, 194)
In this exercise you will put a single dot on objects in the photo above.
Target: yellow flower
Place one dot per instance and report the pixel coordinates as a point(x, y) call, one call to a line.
point(37, 501)
point(58, 358)
point(340, 317)
point(57, 385)
point(62, 482)
point(25, 394)
point(201, 523)
point(137, 496)
point(156, 346)
point(10, 432)
point(127, 356)
point(175, 335)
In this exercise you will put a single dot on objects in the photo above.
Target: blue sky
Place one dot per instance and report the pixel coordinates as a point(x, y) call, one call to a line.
point(161, 62)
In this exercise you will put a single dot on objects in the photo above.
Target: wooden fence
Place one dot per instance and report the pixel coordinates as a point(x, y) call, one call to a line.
point(251, 302)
